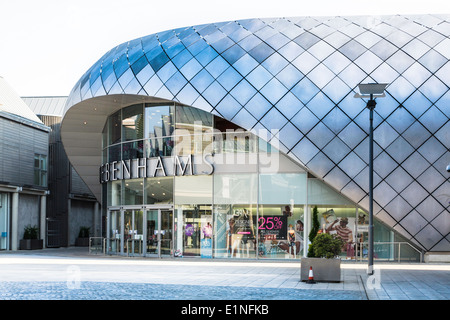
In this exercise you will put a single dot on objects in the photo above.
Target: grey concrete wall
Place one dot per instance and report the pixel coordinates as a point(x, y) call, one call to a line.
point(28, 212)
point(81, 215)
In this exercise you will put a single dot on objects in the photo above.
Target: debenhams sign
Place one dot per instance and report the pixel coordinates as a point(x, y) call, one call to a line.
point(156, 167)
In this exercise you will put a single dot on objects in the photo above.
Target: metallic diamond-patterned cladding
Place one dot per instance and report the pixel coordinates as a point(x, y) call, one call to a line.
point(299, 75)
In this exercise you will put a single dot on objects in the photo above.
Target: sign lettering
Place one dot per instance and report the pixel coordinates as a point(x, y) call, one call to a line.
point(153, 167)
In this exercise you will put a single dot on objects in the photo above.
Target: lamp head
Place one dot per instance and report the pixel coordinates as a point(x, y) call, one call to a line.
point(371, 90)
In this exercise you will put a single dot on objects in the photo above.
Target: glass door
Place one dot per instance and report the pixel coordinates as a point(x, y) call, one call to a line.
point(138, 232)
point(158, 232)
point(114, 238)
point(195, 236)
point(128, 229)
point(152, 233)
point(133, 232)
point(137, 243)
point(166, 231)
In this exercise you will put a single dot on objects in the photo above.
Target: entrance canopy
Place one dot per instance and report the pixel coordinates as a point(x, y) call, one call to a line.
point(81, 133)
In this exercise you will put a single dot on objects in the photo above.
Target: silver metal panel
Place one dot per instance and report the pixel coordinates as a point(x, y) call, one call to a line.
point(439, 223)
point(383, 193)
point(399, 179)
point(429, 208)
point(414, 222)
point(398, 208)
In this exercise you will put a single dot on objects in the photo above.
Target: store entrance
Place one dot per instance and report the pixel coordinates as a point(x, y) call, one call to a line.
point(159, 232)
point(140, 231)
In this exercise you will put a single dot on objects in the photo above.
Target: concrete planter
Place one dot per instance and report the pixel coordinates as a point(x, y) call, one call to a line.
point(31, 244)
point(82, 242)
point(324, 270)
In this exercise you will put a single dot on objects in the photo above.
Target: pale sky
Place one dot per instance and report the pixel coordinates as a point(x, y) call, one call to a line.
point(47, 45)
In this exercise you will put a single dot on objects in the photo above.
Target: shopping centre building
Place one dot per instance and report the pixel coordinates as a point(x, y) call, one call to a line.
point(221, 140)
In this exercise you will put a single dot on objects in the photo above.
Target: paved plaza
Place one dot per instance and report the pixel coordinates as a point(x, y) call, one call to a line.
point(74, 274)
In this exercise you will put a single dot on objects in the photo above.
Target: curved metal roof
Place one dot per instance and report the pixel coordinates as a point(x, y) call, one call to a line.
point(49, 106)
point(299, 75)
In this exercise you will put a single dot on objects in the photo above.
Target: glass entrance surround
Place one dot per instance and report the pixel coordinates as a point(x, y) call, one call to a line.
point(140, 231)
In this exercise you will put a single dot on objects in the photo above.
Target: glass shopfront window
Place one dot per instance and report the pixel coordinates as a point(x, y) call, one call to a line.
point(132, 123)
point(280, 230)
point(193, 131)
point(133, 192)
point(148, 130)
point(115, 153)
point(192, 121)
point(194, 230)
point(159, 147)
point(114, 128)
point(235, 215)
point(158, 128)
point(235, 231)
point(242, 231)
point(114, 191)
point(388, 245)
point(193, 216)
point(282, 188)
point(342, 222)
point(235, 141)
point(281, 215)
point(159, 121)
point(199, 144)
point(158, 190)
point(133, 150)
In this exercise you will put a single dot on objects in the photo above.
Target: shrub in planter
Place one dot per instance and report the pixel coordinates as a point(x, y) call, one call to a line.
point(30, 232)
point(84, 232)
point(83, 237)
point(327, 246)
point(314, 230)
point(325, 264)
point(31, 239)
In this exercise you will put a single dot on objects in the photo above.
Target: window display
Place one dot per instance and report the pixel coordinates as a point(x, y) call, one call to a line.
point(280, 231)
point(342, 222)
point(242, 233)
point(193, 225)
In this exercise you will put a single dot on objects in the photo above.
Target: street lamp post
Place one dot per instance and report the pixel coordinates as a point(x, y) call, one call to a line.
point(371, 91)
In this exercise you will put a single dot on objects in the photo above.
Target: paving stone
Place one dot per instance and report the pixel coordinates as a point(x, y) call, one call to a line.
point(136, 291)
point(45, 275)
